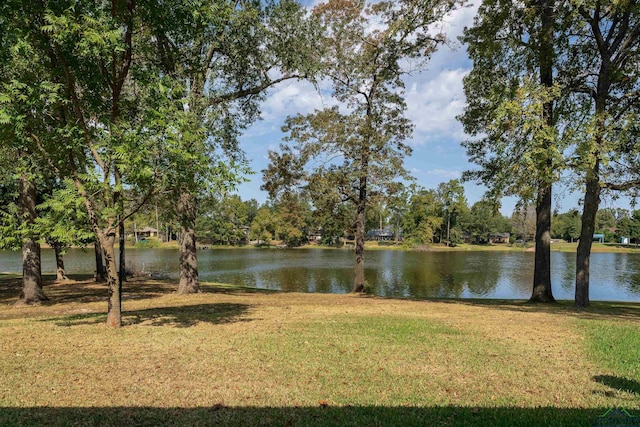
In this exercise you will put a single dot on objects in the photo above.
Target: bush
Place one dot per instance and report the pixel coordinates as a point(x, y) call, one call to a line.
point(148, 242)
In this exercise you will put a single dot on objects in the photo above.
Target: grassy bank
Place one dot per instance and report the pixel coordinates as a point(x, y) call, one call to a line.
point(557, 246)
point(466, 247)
point(242, 357)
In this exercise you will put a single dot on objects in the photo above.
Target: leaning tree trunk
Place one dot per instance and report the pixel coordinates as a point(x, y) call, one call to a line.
point(542, 266)
point(358, 278)
point(189, 280)
point(592, 192)
point(590, 209)
point(32, 291)
point(57, 249)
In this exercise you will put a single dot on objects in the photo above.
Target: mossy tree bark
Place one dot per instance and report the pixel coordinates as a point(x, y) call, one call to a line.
point(189, 279)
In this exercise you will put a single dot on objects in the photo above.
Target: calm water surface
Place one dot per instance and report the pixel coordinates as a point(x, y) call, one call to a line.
point(614, 277)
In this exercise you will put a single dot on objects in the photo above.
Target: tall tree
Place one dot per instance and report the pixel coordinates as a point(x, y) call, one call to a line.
point(18, 228)
point(567, 225)
point(32, 291)
point(398, 205)
point(227, 55)
point(602, 75)
point(367, 48)
point(453, 202)
point(221, 221)
point(263, 227)
point(523, 221)
point(485, 219)
point(510, 108)
point(424, 217)
point(23, 100)
point(98, 125)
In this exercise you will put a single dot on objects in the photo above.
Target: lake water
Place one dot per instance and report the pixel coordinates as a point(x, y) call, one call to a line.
point(503, 275)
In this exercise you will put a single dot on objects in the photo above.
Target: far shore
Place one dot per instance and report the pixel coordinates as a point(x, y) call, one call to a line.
point(556, 246)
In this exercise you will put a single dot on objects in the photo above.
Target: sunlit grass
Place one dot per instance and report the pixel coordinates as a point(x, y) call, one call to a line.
point(233, 356)
point(616, 348)
point(597, 247)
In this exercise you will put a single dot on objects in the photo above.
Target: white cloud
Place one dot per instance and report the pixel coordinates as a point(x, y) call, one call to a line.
point(286, 99)
point(444, 174)
point(436, 96)
point(460, 18)
point(291, 98)
point(434, 103)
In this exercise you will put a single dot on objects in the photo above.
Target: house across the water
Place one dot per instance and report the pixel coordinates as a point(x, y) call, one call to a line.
point(147, 232)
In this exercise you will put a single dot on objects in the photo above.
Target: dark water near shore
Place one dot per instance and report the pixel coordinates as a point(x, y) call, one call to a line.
point(507, 275)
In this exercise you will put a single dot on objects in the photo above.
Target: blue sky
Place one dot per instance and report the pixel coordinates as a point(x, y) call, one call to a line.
point(434, 97)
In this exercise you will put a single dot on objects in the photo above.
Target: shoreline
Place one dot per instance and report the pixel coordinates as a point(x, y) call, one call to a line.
point(375, 246)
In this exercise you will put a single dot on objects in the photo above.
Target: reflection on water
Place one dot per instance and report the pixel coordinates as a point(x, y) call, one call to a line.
point(504, 275)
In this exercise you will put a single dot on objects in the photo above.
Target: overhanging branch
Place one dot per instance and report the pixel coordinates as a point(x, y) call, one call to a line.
point(624, 186)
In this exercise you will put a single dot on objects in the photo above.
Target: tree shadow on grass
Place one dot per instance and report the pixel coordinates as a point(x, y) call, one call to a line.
point(179, 317)
point(322, 415)
point(10, 287)
point(618, 383)
point(599, 310)
point(220, 288)
point(83, 289)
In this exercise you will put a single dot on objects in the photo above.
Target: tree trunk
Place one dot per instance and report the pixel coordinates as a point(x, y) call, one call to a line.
point(448, 229)
point(590, 209)
point(104, 247)
point(114, 310)
point(122, 269)
point(32, 291)
point(101, 275)
point(542, 267)
point(397, 230)
point(358, 277)
point(60, 273)
point(593, 188)
point(189, 280)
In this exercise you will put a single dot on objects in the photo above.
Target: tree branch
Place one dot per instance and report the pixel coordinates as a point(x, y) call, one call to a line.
point(624, 186)
point(252, 90)
point(44, 153)
point(623, 53)
point(630, 100)
point(77, 109)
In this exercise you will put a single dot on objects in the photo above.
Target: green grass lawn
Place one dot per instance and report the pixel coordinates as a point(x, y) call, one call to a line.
point(232, 356)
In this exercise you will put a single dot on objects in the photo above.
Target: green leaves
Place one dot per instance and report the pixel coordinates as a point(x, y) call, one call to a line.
point(62, 217)
point(422, 219)
point(508, 44)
